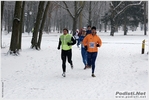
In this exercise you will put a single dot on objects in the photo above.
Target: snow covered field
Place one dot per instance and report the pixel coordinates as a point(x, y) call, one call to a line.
point(120, 67)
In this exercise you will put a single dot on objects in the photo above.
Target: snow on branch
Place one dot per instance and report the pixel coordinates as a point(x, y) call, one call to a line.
point(81, 8)
point(78, 13)
point(118, 5)
point(111, 4)
point(17, 19)
point(125, 8)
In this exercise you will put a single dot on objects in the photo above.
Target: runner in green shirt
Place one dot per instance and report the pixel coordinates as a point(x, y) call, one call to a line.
point(66, 41)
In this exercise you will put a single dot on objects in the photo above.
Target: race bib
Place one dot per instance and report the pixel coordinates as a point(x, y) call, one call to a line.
point(92, 44)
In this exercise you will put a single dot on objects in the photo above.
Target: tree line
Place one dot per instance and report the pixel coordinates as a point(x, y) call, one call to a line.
point(38, 16)
point(126, 14)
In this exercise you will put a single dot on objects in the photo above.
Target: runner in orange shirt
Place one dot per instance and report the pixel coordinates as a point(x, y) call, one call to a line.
point(91, 42)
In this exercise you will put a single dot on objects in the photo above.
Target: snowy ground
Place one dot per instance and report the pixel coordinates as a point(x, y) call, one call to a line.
point(120, 67)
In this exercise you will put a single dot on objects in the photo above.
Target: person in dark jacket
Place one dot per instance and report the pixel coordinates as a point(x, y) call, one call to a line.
point(88, 30)
point(66, 41)
point(83, 50)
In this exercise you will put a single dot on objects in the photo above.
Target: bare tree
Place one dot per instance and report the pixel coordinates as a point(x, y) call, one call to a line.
point(9, 21)
point(37, 25)
point(97, 13)
point(16, 27)
point(42, 24)
point(21, 24)
point(91, 8)
point(52, 8)
point(76, 14)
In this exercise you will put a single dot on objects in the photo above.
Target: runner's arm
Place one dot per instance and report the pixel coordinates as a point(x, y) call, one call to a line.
point(73, 41)
point(59, 44)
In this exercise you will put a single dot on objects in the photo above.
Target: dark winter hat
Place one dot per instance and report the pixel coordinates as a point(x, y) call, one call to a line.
point(88, 26)
point(65, 29)
point(93, 28)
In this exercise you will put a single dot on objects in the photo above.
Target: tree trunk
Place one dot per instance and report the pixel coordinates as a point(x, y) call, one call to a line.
point(75, 18)
point(61, 24)
point(125, 24)
point(27, 19)
point(106, 21)
point(74, 25)
point(42, 24)
point(80, 17)
point(12, 16)
point(113, 22)
point(112, 28)
point(49, 24)
point(37, 25)
point(90, 13)
point(9, 22)
point(30, 20)
point(5, 19)
point(105, 27)
point(2, 8)
point(100, 26)
point(21, 25)
point(46, 25)
point(15, 31)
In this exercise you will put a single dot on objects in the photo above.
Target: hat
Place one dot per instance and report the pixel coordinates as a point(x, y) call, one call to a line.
point(88, 26)
point(93, 28)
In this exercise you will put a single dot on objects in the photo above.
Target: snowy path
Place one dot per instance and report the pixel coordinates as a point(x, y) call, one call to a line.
point(37, 74)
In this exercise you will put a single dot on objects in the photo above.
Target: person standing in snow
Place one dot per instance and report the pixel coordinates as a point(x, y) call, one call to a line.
point(91, 42)
point(83, 50)
point(66, 41)
point(88, 30)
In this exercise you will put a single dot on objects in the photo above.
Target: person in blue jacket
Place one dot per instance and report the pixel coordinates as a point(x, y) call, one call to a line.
point(83, 50)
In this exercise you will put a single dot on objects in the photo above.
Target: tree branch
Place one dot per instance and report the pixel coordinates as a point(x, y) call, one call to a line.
point(94, 6)
point(68, 9)
point(80, 9)
point(52, 7)
point(125, 8)
point(60, 5)
point(118, 5)
point(85, 17)
point(111, 4)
